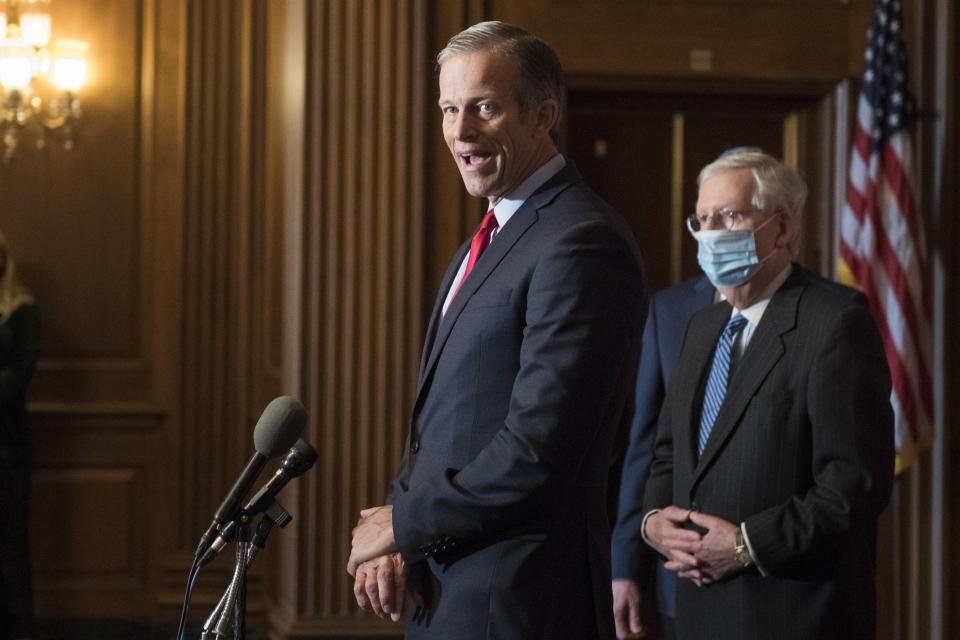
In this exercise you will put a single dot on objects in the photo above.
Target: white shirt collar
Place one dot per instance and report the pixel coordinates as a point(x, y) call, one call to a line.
point(509, 204)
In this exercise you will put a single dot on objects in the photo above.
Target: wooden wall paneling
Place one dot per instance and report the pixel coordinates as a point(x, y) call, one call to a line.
point(90, 233)
point(82, 207)
point(356, 317)
point(771, 40)
point(819, 165)
point(95, 483)
point(931, 559)
point(224, 370)
point(949, 282)
point(286, 179)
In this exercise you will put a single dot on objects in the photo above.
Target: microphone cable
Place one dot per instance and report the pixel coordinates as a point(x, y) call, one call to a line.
point(185, 610)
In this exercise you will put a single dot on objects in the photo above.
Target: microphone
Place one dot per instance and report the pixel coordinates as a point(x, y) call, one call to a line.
point(297, 462)
point(279, 426)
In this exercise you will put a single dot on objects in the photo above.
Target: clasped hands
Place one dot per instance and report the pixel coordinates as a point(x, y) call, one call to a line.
point(703, 558)
point(382, 582)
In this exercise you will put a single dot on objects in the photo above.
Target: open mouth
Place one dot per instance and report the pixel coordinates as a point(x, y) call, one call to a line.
point(475, 159)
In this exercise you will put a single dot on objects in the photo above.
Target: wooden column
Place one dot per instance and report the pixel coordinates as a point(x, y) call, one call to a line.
point(353, 186)
point(230, 365)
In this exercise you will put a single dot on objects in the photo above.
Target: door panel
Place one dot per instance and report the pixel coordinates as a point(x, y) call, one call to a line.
point(642, 153)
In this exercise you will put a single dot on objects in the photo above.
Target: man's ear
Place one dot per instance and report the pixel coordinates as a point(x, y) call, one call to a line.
point(548, 112)
point(784, 224)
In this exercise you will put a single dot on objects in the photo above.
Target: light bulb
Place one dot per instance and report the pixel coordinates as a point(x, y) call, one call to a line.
point(35, 22)
point(70, 67)
point(35, 28)
point(15, 66)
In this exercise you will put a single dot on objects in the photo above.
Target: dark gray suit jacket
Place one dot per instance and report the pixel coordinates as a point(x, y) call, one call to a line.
point(503, 488)
point(801, 451)
point(670, 311)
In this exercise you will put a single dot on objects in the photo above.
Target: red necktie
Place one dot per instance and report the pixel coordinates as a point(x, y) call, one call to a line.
point(479, 244)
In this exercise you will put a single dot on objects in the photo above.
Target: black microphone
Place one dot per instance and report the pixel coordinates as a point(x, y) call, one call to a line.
point(297, 461)
point(279, 426)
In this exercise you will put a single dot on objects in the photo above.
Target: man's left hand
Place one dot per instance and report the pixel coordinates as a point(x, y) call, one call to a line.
point(715, 551)
point(372, 537)
point(383, 584)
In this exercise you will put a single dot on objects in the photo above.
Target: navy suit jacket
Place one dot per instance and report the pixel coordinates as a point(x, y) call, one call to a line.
point(670, 310)
point(801, 452)
point(501, 496)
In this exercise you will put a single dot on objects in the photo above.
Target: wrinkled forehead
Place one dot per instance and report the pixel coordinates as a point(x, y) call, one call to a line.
point(478, 72)
point(727, 190)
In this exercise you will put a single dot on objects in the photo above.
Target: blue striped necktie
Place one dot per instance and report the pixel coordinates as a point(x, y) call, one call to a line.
point(717, 382)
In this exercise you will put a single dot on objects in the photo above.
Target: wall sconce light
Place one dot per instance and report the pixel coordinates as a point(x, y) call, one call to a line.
point(37, 91)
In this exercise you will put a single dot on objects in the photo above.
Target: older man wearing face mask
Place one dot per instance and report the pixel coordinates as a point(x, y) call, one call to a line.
point(774, 451)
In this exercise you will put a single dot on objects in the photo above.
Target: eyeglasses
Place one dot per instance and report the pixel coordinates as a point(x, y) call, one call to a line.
point(725, 217)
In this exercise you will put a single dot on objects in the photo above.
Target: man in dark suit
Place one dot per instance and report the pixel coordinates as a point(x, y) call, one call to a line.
point(774, 451)
point(498, 512)
point(633, 562)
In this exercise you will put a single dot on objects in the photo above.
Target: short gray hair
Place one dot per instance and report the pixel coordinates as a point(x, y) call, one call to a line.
point(780, 189)
point(541, 76)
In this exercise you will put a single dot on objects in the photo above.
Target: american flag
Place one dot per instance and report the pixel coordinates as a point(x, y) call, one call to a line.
point(882, 247)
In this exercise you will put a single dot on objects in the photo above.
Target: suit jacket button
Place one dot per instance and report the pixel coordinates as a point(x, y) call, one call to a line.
point(695, 507)
point(415, 445)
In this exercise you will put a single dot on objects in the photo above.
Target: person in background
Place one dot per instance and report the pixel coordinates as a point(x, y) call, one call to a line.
point(19, 348)
point(642, 588)
point(774, 452)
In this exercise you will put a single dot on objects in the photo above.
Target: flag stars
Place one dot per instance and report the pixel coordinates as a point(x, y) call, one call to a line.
point(885, 75)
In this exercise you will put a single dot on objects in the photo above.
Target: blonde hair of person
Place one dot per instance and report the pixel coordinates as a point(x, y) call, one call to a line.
point(12, 292)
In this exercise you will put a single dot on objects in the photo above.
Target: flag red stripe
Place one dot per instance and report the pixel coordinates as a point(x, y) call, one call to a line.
point(900, 285)
point(897, 178)
point(898, 377)
point(856, 201)
point(862, 140)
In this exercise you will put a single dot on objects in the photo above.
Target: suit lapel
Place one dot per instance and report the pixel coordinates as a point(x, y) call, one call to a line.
point(504, 241)
point(437, 314)
point(764, 351)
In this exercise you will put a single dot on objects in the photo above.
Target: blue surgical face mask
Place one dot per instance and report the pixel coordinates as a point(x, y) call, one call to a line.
point(729, 257)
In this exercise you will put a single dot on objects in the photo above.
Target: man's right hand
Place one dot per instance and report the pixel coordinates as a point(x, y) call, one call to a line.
point(665, 531)
point(633, 612)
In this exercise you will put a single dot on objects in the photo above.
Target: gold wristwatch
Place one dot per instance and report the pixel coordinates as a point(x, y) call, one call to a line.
point(740, 551)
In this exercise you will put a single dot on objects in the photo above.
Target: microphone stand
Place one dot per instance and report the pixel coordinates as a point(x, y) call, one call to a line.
point(234, 599)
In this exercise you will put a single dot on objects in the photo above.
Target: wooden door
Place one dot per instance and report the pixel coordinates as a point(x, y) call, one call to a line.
point(642, 152)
